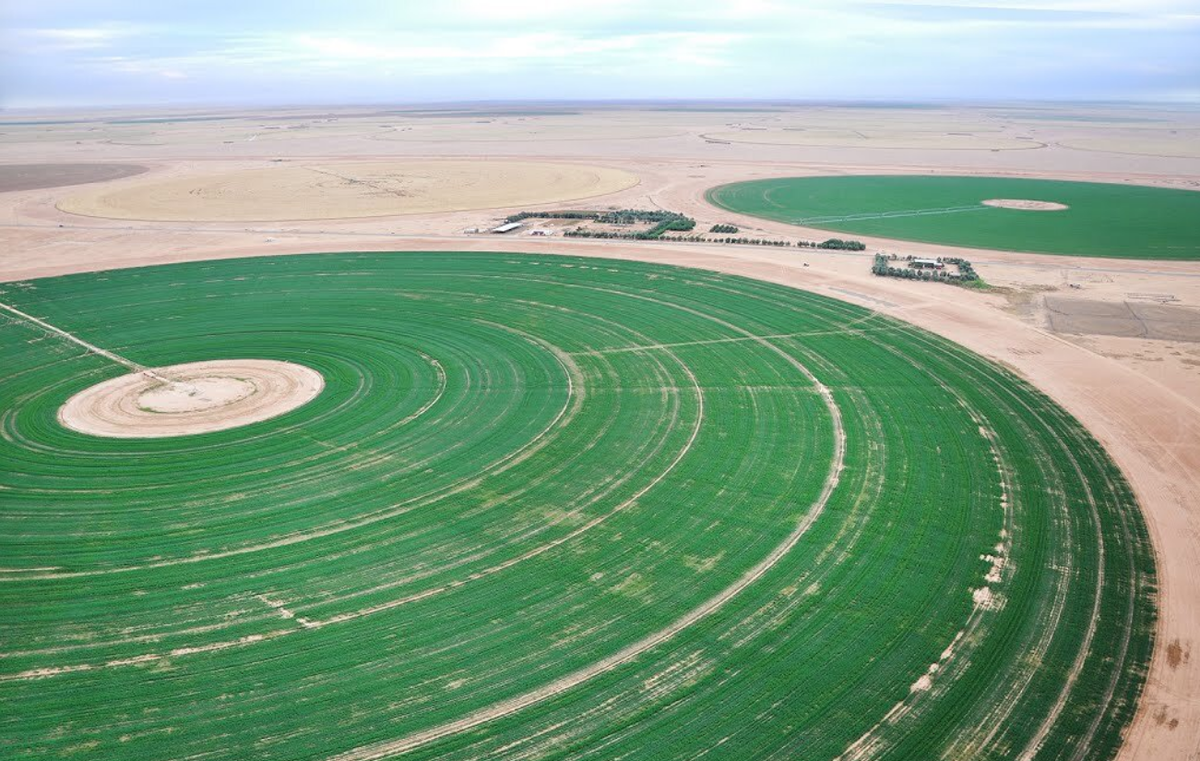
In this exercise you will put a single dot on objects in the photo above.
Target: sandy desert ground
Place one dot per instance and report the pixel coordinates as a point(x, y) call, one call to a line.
point(1093, 333)
point(312, 190)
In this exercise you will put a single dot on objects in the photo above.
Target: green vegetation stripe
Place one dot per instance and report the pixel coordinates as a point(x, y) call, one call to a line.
point(1102, 219)
point(528, 472)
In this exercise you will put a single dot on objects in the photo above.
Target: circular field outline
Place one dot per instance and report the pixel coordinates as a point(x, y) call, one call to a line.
point(1102, 219)
point(1127, 146)
point(349, 190)
point(535, 483)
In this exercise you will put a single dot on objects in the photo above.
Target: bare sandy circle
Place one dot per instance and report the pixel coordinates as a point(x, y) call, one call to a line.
point(1023, 205)
point(195, 395)
point(191, 398)
point(351, 190)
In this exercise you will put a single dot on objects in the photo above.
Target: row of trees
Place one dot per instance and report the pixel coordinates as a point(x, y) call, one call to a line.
point(667, 222)
point(674, 223)
point(634, 216)
point(584, 232)
point(837, 244)
point(523, 215)
point(615, 217)
point(587, 232)
point(751, 241)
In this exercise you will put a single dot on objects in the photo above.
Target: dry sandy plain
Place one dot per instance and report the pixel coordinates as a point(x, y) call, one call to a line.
point(425, 180)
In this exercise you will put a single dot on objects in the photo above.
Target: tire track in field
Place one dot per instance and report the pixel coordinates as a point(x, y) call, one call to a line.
point(570, 371)
point(862, 748)
point(872, 743)
point(542, 549)
point(570, 408)
point(90, 347)
point(985, 732)
point(1000, 712)
point(574, 375)
point(388, 748)
point(870, 216)
point(1056, 710)
point(742, 339)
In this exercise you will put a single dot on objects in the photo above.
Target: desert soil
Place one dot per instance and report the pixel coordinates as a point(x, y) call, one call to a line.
point(349, 190)
point(859, 139)
point(1139, 396)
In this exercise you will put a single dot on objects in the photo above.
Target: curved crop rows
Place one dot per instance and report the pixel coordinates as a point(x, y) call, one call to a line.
point(553, 507)
point(1100, 219)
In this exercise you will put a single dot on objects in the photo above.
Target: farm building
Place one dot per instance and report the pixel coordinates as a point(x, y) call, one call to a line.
point(932, 264)
point(506, 228)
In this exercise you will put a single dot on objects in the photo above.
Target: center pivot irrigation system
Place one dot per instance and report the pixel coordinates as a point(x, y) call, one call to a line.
point(557, 507)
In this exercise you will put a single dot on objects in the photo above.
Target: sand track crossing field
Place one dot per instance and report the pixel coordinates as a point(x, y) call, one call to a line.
point(315, 190)
point(553, 505)
point(1100, 219)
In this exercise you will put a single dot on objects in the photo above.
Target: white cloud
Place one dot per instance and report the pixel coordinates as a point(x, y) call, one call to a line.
point(465, 52)
point(704, 48)
point(1144, 7)
point(539, 10)
point(52, 39)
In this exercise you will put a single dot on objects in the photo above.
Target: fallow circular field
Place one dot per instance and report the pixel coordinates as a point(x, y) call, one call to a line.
point(1091, 219)
point(35, 176)
point(551, 507)
point(349, 190)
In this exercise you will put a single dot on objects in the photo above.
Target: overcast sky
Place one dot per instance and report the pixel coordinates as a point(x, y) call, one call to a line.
point(114, 52)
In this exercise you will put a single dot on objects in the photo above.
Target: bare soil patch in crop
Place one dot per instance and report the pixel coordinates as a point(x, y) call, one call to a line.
point(197, 397)
point(1023, 205)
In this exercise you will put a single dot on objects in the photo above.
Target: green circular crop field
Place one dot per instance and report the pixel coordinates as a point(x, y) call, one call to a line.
point(1102, 219)
point(553, 507)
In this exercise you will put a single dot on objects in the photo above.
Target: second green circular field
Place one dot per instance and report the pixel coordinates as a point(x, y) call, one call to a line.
point(1001, 213)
